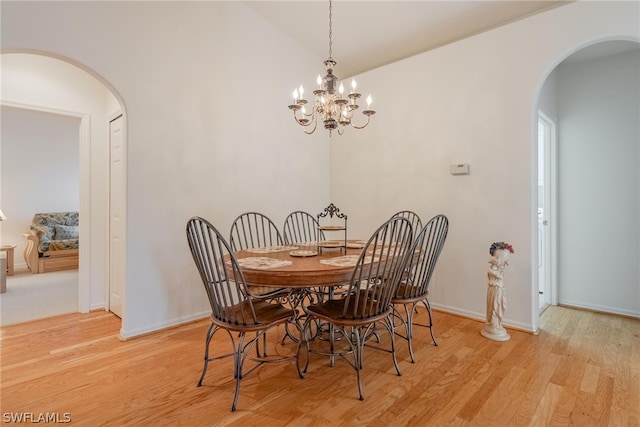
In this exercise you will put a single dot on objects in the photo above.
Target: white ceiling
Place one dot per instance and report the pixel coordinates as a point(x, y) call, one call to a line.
point(369, 34)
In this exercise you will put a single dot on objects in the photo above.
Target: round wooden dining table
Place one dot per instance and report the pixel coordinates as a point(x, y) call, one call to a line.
point(290, 266)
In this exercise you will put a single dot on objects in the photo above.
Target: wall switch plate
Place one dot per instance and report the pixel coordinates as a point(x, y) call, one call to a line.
point(459, 169)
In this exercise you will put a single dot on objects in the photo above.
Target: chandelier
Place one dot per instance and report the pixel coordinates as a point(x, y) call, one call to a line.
point(331, 106)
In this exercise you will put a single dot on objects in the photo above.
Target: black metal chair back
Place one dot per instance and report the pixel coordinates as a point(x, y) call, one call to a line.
point(227, 291)
point(426, 247)
point(378, 271)
point(254, 230)
point(414, 219)
point(301, 227)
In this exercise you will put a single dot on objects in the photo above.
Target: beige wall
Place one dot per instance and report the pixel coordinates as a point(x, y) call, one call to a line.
point(475, 102)
point(209, 134)
point(208, 129)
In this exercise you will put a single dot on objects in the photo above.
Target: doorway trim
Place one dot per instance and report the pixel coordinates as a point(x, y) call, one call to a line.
point(551, 172)
point(116, 280)
point(84, 172)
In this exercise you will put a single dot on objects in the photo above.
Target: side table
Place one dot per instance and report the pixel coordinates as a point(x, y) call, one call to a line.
point(9, 251)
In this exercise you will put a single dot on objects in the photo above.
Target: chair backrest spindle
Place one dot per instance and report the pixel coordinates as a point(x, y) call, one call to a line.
point(254, 230)
point(378, 270)
point(426, 247)
point(220, 273)
point(414, 219)
point(301, 227)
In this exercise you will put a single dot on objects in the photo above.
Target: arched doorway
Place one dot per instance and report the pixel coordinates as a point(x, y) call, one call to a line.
point(60, 86)
point(591, 179)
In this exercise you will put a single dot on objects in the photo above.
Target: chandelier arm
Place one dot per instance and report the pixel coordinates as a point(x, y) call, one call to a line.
point(315, 125)
point(302, 121)
point(363, 126)
point(314, 118)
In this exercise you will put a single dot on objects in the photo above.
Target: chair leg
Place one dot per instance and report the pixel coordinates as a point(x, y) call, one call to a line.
point(264, 345)
point(425, 302)
point(212, 329)
point(390, 328)
point(357, 354)
point(408, 324)
point(287, 333)
point(304, 339)
point(332, 338)
point(238, 361)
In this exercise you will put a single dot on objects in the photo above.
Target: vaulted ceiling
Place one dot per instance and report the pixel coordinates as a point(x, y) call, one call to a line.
point(369, 34)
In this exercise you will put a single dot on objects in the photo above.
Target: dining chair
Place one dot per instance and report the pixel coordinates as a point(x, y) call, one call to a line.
point(414, 219)
point(414, 287)
point(233, 308)
point(301, 227)
point(254, 230)
point(375, 279)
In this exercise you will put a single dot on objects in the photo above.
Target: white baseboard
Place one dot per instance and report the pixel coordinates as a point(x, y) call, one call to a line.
point(128, 334)
point(98, 306)
point(600, 308)
point(474, 315)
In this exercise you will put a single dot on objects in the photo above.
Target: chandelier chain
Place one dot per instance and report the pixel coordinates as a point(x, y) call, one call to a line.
point(330, 29)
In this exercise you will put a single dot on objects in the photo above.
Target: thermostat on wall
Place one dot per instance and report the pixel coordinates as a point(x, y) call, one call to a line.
point(459, 169)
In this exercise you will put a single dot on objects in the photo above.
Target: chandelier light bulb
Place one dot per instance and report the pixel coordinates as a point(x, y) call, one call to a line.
point(319, 81)
point(353, 85)
point(341, 88)
point(368, 101)
point(301, 90)
point(295, 94)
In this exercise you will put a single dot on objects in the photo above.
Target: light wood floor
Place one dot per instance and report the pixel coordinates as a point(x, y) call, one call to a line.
point(583, 369)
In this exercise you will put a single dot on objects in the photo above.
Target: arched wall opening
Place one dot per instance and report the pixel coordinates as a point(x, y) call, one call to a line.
point(45, 82)
point(593, 93)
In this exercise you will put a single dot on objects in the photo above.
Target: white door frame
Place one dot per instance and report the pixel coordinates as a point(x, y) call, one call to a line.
point(84, 172)
point(116, 280)
point(551, 200)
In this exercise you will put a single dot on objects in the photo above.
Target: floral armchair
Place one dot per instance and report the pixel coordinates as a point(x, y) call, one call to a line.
point(53, 242)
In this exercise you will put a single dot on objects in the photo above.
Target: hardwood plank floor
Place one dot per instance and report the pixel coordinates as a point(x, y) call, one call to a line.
point(582, 369)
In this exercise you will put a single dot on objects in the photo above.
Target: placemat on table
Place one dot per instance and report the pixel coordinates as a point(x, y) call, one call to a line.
point(271, 249)
point(341, 261)
point(262, 263)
